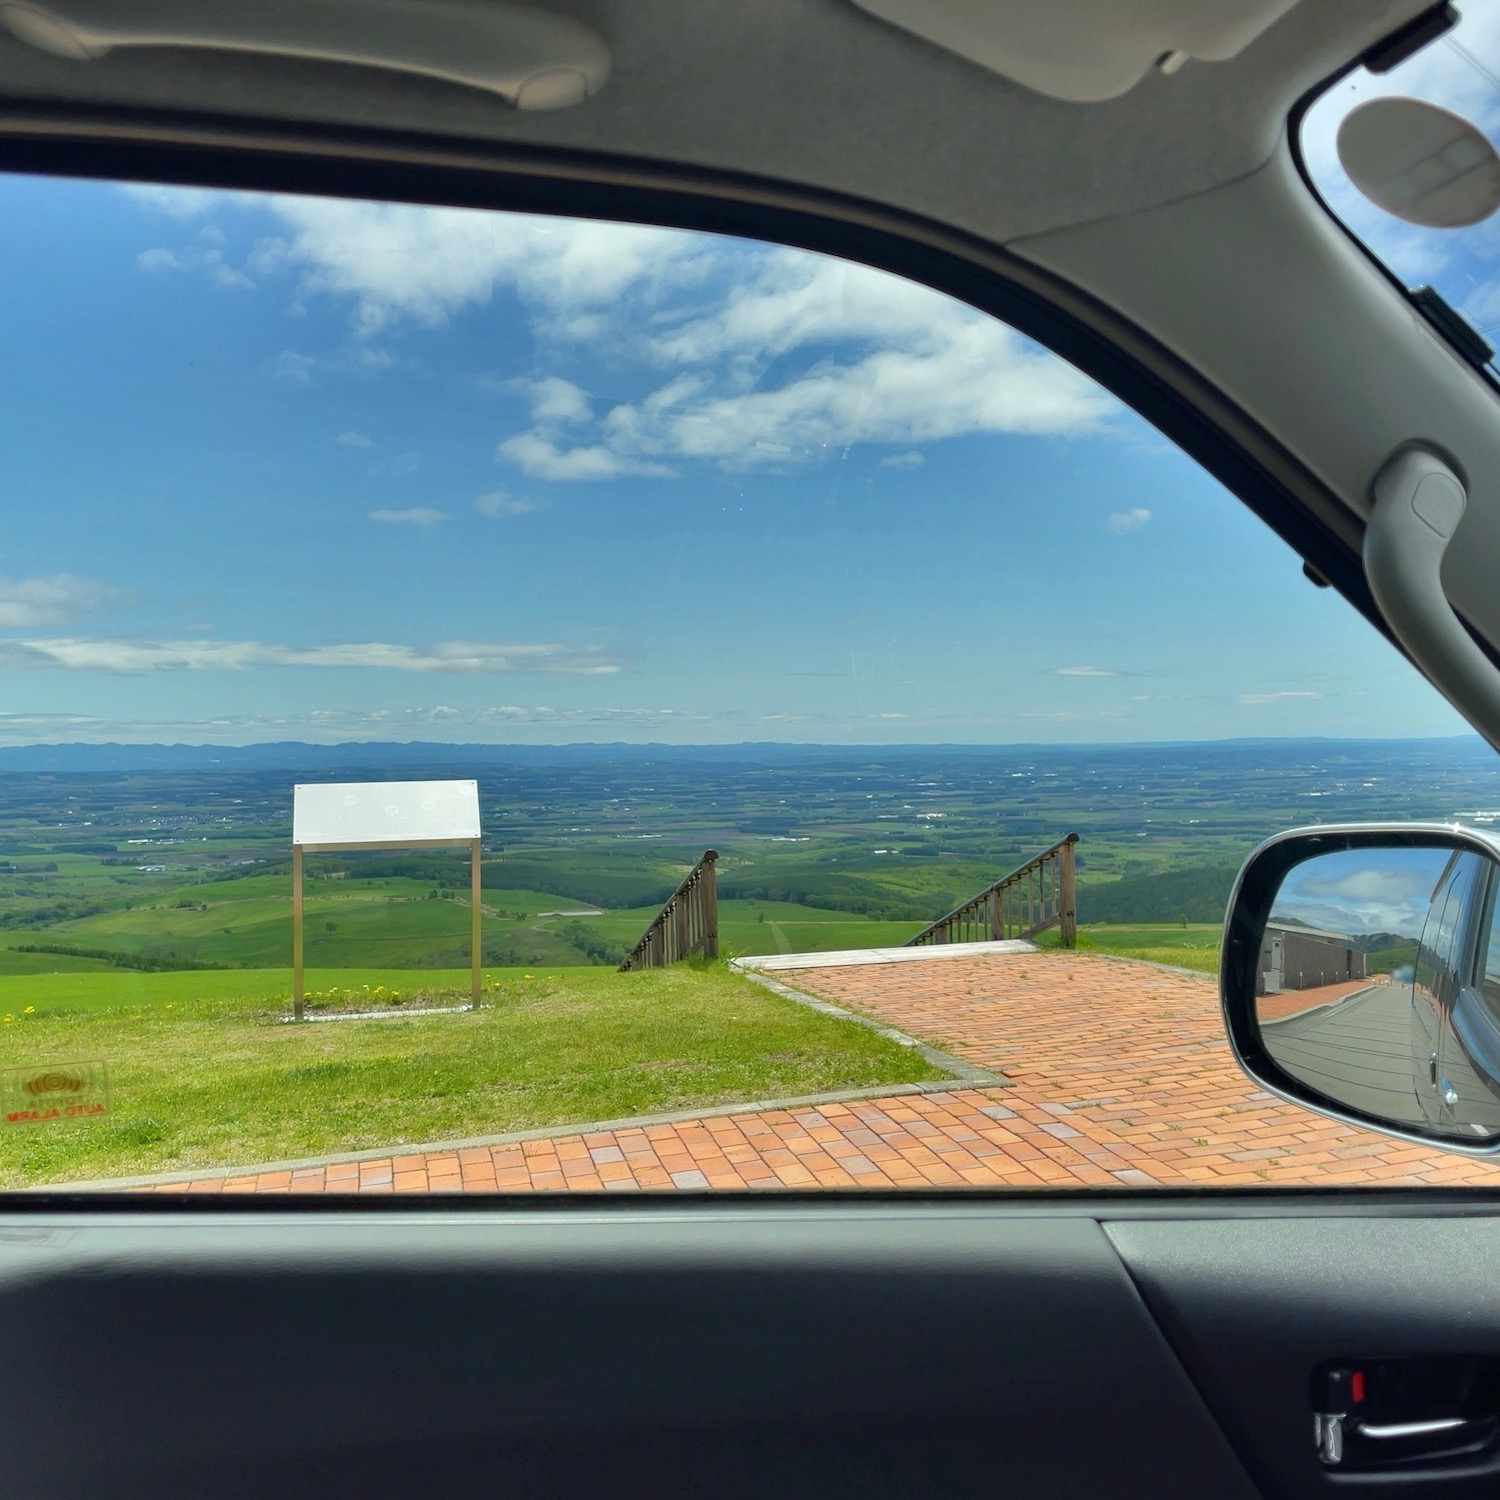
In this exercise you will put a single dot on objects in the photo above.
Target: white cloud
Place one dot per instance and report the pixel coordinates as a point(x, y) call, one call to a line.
point(1345, 892)
point(800, 356)
point(417, 515)
point(353, 440)
point(555, 402)
point(885, 361)
point(903, 461)
point(176, 202)
point(125, 655)
point(204, 254)
point(1083, 672)
point(1121, 521)
point(501, 503)
point(542, 458)
point(290, 366)
point(428, 263)
point(1282, 697)
point(26, 603)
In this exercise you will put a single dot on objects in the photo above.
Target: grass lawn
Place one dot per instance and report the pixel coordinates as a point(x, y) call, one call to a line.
point(1195, 946)
point(204, 1074)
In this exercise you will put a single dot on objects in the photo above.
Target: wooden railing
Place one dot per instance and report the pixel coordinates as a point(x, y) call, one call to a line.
point(688, 923)
point(1032, 898)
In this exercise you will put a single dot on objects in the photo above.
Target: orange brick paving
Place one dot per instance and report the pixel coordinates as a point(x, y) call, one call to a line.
point(1121, 1077)
point(1294, 1002)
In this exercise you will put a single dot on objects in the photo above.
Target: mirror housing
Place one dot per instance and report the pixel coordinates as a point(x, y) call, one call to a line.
point(1360, 978)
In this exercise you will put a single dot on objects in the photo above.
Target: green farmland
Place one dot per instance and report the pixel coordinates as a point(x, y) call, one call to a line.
point(397, 922)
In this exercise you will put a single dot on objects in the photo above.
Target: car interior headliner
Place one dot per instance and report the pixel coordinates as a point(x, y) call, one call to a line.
point(815, 92)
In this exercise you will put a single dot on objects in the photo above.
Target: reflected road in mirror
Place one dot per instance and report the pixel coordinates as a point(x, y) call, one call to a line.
point(1351, 1041)
point(1350, 984)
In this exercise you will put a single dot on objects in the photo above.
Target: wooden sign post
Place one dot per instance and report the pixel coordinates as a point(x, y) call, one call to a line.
point(339, 817)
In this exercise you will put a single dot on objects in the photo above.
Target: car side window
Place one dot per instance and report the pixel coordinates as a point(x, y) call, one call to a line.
point(1489, 967)
point(445, 621)
point(1440, 959)
point(1435, 936)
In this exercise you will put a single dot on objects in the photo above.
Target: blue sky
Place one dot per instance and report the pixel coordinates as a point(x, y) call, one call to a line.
point(288, 468)
point(1362, 891)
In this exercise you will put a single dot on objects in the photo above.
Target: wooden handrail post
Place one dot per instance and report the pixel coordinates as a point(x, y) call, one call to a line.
point(476, 939)
point(1035, 896)
point(687, 923)
point(1068, 895)
point(710, 906)
point(296, 932)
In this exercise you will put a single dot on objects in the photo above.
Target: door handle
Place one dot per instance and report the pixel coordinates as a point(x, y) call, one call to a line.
point(1386, 1430)
point(1374, 1445)
point(1402, 1413)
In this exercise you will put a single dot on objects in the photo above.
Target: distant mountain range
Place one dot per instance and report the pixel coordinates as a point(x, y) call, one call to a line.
point(378, 755)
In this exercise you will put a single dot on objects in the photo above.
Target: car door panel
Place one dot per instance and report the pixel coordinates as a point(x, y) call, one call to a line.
point(929, 1349)
point(1254, 1306)
point(925, 1348)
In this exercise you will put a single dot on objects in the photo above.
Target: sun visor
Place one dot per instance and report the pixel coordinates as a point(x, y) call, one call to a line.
point(1083, 50)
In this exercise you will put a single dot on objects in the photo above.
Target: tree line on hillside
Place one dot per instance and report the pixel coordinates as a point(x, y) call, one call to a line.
point(1196, 893)
point(147, 961)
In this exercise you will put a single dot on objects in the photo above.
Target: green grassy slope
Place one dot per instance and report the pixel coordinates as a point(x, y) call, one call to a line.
point(218, 1082)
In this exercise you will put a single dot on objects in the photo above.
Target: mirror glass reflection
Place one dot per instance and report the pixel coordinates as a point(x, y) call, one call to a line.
point(1378, 985)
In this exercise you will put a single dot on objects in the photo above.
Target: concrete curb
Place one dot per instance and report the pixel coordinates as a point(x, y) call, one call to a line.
point(1148, 963)
point(851, 958)
point(514, 1137)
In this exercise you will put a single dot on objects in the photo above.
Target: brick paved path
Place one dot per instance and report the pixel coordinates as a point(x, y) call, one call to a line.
point(1120, 1073)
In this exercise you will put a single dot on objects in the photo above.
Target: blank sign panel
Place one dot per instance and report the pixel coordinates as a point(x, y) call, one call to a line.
point(345, 815)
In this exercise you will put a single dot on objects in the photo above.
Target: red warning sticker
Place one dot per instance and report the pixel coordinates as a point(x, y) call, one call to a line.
point(53, 1092)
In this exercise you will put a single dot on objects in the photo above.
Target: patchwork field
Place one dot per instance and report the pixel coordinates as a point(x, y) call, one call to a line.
point(403, 923)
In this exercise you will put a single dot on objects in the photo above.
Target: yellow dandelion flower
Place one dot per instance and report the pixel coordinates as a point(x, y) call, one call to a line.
point(29, 1011)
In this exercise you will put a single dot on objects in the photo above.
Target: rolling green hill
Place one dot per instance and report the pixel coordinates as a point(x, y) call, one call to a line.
point(397, 922)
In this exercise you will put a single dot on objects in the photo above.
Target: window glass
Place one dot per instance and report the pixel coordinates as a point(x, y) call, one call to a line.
point(1490, 956)
point(1459, 72)
point(1435, 934)
point(1440, 958)
point(642, 594)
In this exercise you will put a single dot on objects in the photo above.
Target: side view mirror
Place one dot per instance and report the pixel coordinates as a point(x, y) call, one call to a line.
point(1360, 977)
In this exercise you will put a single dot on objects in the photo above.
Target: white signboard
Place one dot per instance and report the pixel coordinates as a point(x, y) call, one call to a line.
point(345, 815)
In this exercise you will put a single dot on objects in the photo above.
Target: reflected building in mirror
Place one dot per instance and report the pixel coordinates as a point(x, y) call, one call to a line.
point(1296, 957)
